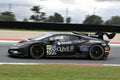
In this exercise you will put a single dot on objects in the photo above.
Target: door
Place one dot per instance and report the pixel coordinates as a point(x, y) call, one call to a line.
point(61, 45)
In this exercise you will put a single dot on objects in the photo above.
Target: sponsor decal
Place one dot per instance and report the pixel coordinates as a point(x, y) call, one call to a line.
point(51, 50)
point(80, 41)
point(65, 48)
point(68, 42)
point(95, 41)
point(93, 35)
point(84, 48)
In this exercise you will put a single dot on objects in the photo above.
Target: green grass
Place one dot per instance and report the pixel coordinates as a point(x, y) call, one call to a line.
point(58, 72)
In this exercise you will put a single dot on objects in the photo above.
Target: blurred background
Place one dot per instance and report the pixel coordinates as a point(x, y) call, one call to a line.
point(61, 11)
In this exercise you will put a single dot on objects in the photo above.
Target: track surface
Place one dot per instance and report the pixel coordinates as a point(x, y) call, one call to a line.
point(114, 58)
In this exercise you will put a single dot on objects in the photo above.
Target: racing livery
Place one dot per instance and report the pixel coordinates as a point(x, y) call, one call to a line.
point(73, 44)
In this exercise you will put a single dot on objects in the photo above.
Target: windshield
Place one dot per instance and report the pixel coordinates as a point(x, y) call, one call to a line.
point(41, 36)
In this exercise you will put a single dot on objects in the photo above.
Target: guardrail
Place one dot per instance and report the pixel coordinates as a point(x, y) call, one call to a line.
point(58, 26)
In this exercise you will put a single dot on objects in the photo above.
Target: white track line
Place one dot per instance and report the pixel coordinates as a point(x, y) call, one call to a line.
point(21, 63)
point(111, 64)
point(60, 64)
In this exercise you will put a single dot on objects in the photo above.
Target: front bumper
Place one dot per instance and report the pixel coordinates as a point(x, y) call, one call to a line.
point(17, 52)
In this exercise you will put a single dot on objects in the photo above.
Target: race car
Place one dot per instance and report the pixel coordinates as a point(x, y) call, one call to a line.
point(75, 44)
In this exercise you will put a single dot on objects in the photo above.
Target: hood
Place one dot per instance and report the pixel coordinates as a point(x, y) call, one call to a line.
point(28, 41)
point(23, 43)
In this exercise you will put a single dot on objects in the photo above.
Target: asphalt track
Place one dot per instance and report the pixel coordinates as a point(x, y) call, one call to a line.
point(114, 58)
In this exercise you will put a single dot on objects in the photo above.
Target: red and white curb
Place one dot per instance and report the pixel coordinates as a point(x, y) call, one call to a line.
point(7, 40)
point(114, 43)
point(69, 64)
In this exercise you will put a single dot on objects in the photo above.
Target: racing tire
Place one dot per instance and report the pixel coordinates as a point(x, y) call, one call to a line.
point(96, 52)
point(36, 51)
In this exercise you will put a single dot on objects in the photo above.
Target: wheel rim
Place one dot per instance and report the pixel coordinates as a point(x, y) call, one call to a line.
point(36, 51)
point(96, 52)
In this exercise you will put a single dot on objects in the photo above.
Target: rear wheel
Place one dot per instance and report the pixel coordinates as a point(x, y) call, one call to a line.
point(96, 52)
point(36, 51)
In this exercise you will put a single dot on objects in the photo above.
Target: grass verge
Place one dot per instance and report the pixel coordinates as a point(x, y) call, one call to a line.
point(58, 72)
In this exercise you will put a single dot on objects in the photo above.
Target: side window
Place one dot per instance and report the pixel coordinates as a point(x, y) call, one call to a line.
point(70, 38)
point(58, 37)
point(64, 38)
point(74, 38)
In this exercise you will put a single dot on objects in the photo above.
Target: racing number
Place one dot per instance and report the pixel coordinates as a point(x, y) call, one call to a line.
point(51, 50)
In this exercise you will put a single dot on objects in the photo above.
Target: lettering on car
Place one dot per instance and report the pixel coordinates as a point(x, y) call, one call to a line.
point(53, 49)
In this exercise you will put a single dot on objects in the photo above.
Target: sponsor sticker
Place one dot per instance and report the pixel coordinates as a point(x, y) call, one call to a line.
point(84, 48)
point(95, 41)
point(65, 48)
point(68, 42)
point(51, 50)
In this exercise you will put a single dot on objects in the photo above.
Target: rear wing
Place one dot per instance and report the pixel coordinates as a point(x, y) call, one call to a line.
point(101, 34)
point(98, 35)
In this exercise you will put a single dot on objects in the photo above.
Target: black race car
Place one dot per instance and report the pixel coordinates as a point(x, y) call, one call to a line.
point(73, 44)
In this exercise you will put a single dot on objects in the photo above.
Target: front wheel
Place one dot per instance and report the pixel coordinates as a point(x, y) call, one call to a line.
point(36, 51)
point(96, 52)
